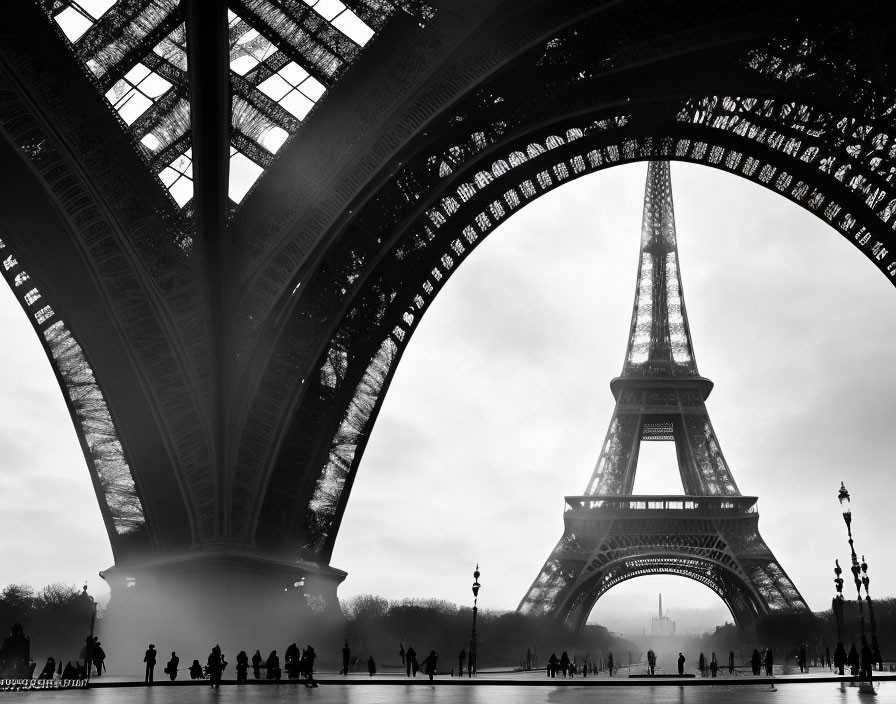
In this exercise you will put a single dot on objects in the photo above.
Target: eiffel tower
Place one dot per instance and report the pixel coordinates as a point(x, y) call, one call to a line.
point(710, 534)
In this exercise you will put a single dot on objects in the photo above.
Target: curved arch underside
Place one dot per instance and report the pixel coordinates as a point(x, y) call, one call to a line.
point(259, 340)
point(730, 589)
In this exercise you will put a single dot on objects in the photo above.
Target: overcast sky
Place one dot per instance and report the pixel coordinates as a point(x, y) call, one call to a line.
point(501, 403)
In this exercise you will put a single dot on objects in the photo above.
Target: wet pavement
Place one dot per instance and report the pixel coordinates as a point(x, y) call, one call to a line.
point(493, 688)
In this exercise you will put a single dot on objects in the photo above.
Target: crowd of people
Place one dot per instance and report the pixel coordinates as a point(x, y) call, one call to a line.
point(297, 664)
point(15, 662)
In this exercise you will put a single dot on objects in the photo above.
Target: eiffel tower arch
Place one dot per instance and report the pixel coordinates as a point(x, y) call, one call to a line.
point(711, 533)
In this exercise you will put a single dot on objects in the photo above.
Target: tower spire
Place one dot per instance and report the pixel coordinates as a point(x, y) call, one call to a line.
point(659, 343)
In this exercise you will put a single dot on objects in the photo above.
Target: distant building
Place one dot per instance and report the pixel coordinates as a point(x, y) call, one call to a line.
point(662, 625)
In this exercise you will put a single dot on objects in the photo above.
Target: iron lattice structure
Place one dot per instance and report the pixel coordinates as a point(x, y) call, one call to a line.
point(225, 219)
point(710, 534)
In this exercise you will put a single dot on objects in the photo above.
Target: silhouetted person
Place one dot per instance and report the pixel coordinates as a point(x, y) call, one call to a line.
point(215, 666)
point(852, 659)
point(242, 667)
point(401, 652)
point(48, 671)
point(756, 661)
point(651, 662)
point(71, 672)
point(99, 658)
point(730, 662)
point(866, 662)
point(256, 665)
point(150, 660)
point(564, 663)
point(371, 666)
point(552, 665)
point(411, 662)
point(273, 666)
point(429, 665)
point(346, 654)
point(292, 661)
point(15, 654)
point(769, 663)
point(528, 659)
point(196, 671)
point(701, 665)
point(680, 663)
point(713, 665)
point(839, 658)
point(171, 667)
point(827, 657)
point(804, 658)
point(461, 656)
point(308, 656)
point(610, 663)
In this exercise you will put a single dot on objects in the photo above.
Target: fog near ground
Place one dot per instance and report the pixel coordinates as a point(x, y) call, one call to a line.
point(501, 402)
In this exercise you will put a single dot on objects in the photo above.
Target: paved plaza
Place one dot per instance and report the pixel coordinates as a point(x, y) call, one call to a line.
point(498, 688)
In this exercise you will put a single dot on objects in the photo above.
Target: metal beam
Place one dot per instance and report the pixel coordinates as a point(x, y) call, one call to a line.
point(208, 57)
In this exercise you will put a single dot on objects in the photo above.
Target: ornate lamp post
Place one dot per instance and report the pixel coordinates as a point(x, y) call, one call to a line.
point(471, 663)
point(875, 647)
point(856, 569)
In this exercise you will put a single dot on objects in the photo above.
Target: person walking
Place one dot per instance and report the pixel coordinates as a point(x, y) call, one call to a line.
point(552, 665)
point(730, 662)
point(839, 658)
point(769, 663)
point(610, 663)
point(429, 665)
point(564, 663)
point(308, 656)
point(272, 665)
point(150, 659)
point(651, 662)
point(215, 666)
point(411, 661)
point(755, 661)
point(713, 665)
point(827, 658)
point(292, 659)
point(681, 660)
point(371, 666)
point(346, 654)
point(853, 660)
point(461, 656)
point(242, 667)
point(171, 667)
point(701, 665)
point(99, 658)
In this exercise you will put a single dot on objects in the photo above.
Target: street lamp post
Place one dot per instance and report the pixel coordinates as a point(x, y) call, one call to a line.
point(857, 570)
point(471, 662)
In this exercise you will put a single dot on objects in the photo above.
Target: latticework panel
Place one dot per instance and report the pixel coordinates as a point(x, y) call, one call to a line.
point(660, 339)
point(712, 471)
point(105, 457)
point(611, 475)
